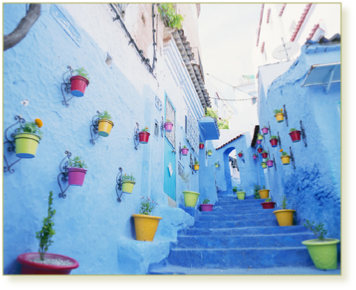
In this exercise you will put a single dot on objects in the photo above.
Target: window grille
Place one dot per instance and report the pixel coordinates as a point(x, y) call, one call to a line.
point(193, 132)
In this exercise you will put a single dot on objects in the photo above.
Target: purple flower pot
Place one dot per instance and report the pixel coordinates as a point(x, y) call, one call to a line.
point(254, 156)
point(259, 141)
point(270, 163)
point(264, 131)
point(76, 176)
point(185, 151)
point(168, 126)
point(206, 207)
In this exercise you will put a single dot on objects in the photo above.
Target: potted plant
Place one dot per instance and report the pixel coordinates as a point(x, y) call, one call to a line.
point(185, 151)
point(76, 171)
point(104, 124)
point(269, 162)
point(241, 194)
point(295, 135)
point(322, 251)
point(145, 224)
point(168, 126)
point(201, 145)
point(284, 216)
point(259, 136)
point(190, 197)
point(240, 154)
point(273, 140)
point(41, 263)
point(264, 164)
point(79, 82)
point(285, 157)
point(234, 189)
point(254, 156)
point(144, 135)
point(210, 152)
point(205, 206)
point(196, 165)
point(259, 149)
point(264, 130)
point(256, 193)
point(27, 138)
point(128, 183)
point(264, 193)
point(217, 165)
point(268, 203)
point(264, 154)
point(279, 115)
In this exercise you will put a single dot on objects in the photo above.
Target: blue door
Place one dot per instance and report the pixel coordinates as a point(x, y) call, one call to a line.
point(170, 152)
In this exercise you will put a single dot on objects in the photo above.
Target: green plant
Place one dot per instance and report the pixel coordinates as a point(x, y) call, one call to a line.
point(209, 151)
point(234, 189)
point(76, 162)
point(169, 16)
point(284, 202)
point(46, 233)
point(201, 143)
point(184, 146)
point(206, 201)
point(196, 162)
point(254, 155)
point(264, 163)
point(278, 111)
point(145, 129)
point(268, 199)
point(30, 127)
point(82, 72)
point(147, 205)
point(104, 115)
point(273, 137)
point(292, 129)
point(222, 123)
point(264, 127)
point(255, 191)
point(216, 164)
point(240, 152)
point(283, 153)
point(264, 151)
point(168, 121)
point(318, 229)
point(128, 178)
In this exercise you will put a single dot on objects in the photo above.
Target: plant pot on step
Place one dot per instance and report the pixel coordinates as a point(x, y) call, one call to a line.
point(104, 127)
point(168, 126)
point(143, 137)
point(190, 198)
point(295, 136)
point(284, 217)
point(206, 207)
point(26, 145)
point(185, 151)
point(76, 176)
point(29, 267)
point(264, 193)
point(323, 253)
point(268, 204)
point(78, 85)
point(145, 226)
point(127, 186)
point(241, 195)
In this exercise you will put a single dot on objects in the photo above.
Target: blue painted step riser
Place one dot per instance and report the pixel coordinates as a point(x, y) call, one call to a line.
point(239, 206)
point(238, 211)
point(209, 242)
point(236, 201)
point(253, 258)
point(231, 224)
point(245, 231)
point(217, 218)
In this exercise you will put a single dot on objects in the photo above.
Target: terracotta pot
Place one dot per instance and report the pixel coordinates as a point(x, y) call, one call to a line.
point(295, 135)
point(274, 142)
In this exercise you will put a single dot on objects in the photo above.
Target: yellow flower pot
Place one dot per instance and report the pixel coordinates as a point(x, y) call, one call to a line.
point(279, 117)
point(284, 217)
point(190, 198)
point(105, 126)
point(26, 145)
point(145, 226)
point(285, 159)
point(264, 193)
point(210, 153)
point(127, 186)
point(196, 167)
point(217, 166)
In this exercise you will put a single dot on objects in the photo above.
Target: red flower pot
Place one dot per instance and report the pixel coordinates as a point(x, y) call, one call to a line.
point(295, 135)
point(143, 137)
point(254, 156)
point(78, 85)
point(206, 207)
point(264, 131)
point(168, 126)
point(240, 154)
point(33, 268)
point(274, 142)
point(185, 151)
point(76, 176)
point(264, 155)
point(201, 146)
point(270, 163)
point(259, 150)
point(267, 205)
point(259, 141)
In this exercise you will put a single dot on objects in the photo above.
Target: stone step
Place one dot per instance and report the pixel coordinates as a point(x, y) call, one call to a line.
point(270, 221)
point(238, 202)
point(261, 230)
point(216, 217)
point(221, 212)
point(238, 206)
point(245, 241)
point(240, 257)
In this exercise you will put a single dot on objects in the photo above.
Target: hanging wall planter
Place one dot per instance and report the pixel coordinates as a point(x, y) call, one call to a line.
point(185, 151)
point(264, 165)
point(205, 206)
point(217, 165)
point(285, 157)
point(284, 216)
point(144, 136)
point(210, 152)
point(264, 130)
point(201, 145)
point(79, 82)
point(295, 135)
point(168, 126)
point(240, 154)
point(259, 141)
point(76, 172)
point(279, 115)
point(254, 156)
point(274, 141)
point(27, 139)
point(196, 166)
point(104, 124)
point(190, 198)
point(128, 183)
point(269, 162)
point(264, 154)
point(259, 149)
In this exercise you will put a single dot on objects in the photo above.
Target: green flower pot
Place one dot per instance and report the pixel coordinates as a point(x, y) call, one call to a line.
point(190, 198)
point(26, 145)
point(323, 254)
point(241, 194)
point(127, 186)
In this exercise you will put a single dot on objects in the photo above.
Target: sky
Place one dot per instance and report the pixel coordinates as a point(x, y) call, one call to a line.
point(227, 33)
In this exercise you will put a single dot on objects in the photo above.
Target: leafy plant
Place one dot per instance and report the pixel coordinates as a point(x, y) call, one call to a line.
point(240, 152)
point(105, 115)
point(168, 121)
point(268, 199)
point(147, 205)
point(255, 191)
point(209, 151)
point(76, 162)
point(206, 201)
point(264, 151)
point(283, 153)
point(145, 129)
point(259, 136)
point(254, 155)
point(201, 143)
point(284, 202)
point(273, 137)
point(196, 162)
point(82, 72)
point(184, 147)
point(46, 233)
point(234, 189)
point(278, 111)
point(128, 178)
point(292, 129)
point(30, 127)
point(264, 127)
point(169, 16)
point(318, 229)
point(264, 163)
point(222, 123)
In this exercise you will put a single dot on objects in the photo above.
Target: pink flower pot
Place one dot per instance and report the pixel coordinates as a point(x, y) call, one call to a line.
point(206, 207)
point(185, 151)
point(270, 163)
point(143, 137)
point(264, 131)
point(254, 156)
point(168, 126)
point(295, 135)
point(78, 85)
point(76, 176)
point(274, 142)
point(259, 141)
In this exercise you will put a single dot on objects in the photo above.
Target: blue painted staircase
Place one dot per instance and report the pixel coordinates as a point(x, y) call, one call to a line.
point(239, 237)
